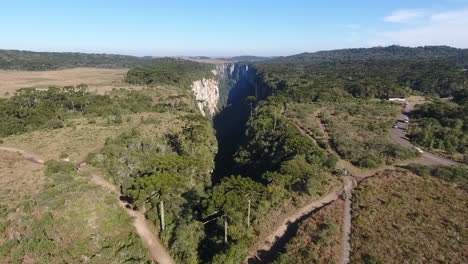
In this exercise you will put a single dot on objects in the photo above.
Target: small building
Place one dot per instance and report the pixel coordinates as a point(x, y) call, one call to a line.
point(399, 98)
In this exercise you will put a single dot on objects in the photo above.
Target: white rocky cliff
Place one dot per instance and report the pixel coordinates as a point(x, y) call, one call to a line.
point(206, 92)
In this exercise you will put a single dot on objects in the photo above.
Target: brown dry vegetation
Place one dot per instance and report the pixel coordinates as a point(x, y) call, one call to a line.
point(318, 239)
point(17, 173)
point(98, 79)
point(399, 217)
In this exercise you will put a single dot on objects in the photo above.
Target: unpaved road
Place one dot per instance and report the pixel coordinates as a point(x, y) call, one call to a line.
point(398, 135)
point(157, 252)
point(346, 245)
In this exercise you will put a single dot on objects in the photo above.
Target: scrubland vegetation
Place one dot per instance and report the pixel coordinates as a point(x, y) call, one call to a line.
point(65, 220)
point(359, 132)
point(399, 217)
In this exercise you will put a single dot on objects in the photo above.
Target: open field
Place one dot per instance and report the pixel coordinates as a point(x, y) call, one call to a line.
point(399, 217)
point(98, 79)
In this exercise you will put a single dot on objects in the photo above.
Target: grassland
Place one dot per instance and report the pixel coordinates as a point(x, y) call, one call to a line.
point(399, 217)
point(98, 79)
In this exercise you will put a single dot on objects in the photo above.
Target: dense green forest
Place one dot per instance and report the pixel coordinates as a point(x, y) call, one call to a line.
point(334, 81)
point(32, 109)
point(42, 61)
point(394, 52)
point(170, 71)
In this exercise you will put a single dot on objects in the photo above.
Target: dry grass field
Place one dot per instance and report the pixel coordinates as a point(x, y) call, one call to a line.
point(98, 79)
point(18, 174)
point(399, 217)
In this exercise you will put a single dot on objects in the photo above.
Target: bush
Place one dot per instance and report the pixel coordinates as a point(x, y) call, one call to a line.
point(54, 124)
point(59, 167)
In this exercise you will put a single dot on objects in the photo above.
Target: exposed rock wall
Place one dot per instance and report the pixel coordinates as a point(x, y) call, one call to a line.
point(210, 94)
point(206, 92)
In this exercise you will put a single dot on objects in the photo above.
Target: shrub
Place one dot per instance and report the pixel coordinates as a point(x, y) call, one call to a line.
point(54, 124)
point(59, 167)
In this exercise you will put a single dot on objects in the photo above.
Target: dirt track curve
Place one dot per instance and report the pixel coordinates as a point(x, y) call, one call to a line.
point(157, 252)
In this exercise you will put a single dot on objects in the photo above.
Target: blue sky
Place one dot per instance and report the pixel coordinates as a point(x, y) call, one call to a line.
point(227, 28)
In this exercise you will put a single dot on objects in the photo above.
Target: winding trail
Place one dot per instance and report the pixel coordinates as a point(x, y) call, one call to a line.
point(157, 252)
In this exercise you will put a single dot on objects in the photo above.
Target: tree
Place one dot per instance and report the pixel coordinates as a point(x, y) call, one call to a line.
point(157, 187)
point(233, 199)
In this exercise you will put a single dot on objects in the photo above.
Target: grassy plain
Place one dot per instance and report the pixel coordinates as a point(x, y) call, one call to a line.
point(99, 80)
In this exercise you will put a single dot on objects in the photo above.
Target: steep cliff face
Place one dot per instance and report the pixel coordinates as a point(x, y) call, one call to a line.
point(230, 79)
point(206, 92)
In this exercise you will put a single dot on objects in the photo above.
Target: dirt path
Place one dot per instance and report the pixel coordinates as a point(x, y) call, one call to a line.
point(268, 243)
point(24, 153)
point(157, 252)
point(346, 245)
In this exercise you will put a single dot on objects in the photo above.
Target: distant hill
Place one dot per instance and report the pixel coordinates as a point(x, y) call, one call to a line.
point(458, 56)
point(29, 60)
